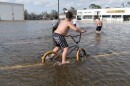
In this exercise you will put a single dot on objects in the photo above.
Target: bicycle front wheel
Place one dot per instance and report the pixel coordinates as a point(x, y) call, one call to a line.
point(49, 56)
point(81, 54)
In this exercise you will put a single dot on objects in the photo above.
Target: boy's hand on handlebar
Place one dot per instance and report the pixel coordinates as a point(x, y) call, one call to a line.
point(67, 35)
point(82, 31)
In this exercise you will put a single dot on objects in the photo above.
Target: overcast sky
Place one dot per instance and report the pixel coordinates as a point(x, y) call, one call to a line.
point(39, 6)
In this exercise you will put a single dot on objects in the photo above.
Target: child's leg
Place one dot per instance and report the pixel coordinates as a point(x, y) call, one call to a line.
point(64, 55)
point(56, 49)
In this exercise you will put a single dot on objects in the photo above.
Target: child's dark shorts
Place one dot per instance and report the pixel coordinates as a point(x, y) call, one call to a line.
point(98, 28)
point(59, 40)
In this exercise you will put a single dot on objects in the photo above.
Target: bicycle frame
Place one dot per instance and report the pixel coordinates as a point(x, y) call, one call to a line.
point(76, 46)
point(56, 56)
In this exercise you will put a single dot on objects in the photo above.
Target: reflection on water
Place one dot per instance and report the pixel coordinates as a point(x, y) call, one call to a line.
point(23, 43)
point(97, 38)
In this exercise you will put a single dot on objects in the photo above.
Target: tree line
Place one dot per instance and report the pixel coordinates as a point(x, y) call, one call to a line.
point(53, 13)
point(46, 15)
point(43, 15)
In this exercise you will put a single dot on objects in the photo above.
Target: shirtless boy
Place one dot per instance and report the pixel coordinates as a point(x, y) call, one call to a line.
point(60, 33)
point(99, 25)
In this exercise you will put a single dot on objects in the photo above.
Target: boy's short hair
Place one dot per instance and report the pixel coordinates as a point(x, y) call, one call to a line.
point(69, 15)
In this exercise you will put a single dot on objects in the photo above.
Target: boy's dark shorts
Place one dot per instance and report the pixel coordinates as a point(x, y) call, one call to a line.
point(98, 28)
point(59, 40)
point(75, 25)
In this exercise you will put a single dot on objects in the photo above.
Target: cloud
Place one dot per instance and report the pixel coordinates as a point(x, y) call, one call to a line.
point(48, 5)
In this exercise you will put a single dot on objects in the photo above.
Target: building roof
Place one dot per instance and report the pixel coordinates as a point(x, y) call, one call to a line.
point(6, 3)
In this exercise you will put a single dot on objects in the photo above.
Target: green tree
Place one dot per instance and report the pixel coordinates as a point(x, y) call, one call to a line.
point(44, 15)
point(53, 14)
point(123, 4)
point(32, 16)
point(128, 4)
point(26, 14)
point(107, 7)
point(94, 6)
point(84, 8)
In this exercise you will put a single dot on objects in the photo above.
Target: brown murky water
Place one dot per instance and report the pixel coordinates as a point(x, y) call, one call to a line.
point(23, 43)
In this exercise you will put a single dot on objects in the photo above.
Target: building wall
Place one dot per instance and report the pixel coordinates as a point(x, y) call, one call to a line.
point(11, 11)
point(111, 14)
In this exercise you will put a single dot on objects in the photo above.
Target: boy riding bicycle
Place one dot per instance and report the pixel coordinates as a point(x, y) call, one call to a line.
point(60, 33)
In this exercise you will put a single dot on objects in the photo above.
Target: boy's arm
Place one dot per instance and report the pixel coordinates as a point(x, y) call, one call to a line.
point(75, 28)
point(97, 23)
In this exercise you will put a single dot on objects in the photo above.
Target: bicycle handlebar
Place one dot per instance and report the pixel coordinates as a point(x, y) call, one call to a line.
point(75, 36)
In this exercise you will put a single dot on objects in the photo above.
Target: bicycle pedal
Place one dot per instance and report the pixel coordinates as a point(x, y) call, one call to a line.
point(48, 58)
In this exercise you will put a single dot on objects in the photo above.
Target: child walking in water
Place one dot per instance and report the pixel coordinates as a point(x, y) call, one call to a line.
point(99, 25)
point(74, 21)
point(60, 33)
point(55, 23)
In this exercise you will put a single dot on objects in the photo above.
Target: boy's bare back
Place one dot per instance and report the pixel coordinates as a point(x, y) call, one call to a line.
point(99, 23)
point(64, 26)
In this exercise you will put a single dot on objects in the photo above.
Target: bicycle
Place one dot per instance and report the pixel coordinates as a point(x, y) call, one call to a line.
point(52, 56)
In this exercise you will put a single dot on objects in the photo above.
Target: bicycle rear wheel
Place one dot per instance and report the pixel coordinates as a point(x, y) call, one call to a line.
point(81, 54)
point(50, 56)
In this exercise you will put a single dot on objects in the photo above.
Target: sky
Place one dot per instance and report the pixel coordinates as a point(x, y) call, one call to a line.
point(39, 6)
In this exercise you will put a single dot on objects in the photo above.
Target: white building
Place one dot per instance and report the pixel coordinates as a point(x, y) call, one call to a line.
point(11, 11)
point(62, 16)
point(108, 14)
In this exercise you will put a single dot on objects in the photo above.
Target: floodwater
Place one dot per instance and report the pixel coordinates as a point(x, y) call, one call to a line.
point(23, 43)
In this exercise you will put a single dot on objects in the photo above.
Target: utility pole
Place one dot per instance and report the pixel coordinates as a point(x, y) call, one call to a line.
point(58, 8)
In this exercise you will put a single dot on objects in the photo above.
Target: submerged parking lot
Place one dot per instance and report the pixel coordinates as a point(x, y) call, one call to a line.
point(23, 43)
